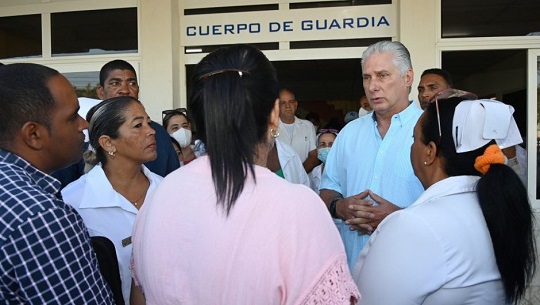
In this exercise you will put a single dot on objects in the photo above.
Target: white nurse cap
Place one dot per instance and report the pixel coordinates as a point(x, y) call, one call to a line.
point(477, 122)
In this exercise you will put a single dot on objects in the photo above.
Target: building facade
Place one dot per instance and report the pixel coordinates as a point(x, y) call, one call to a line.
point(490, 47)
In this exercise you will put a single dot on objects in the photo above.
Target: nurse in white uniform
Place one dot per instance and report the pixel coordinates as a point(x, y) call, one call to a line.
point(110, 195)
point(469, 238)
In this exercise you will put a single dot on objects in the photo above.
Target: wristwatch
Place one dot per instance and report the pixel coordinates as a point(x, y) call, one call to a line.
point(332, 206)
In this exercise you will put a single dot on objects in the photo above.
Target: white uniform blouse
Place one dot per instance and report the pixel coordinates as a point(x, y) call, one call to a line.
point(302, 140)
point(292, 167)
point(107, 213)
point(437, 251)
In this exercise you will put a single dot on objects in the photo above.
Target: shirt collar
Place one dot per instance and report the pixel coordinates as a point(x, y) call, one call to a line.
point(47, 182)
point(404, 116)
point(447, 187)
point(99, 193)
point(296, 121)
point(407, 114)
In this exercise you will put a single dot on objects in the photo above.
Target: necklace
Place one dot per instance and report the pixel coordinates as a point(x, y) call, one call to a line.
point(140, 199)
point(145, 189)
point(136, 202)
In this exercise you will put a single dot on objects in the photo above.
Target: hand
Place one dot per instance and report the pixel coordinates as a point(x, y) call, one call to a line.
point(369, 216)
point(355, 208)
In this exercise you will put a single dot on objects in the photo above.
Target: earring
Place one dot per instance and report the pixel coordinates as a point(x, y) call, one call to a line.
point(425, 162)
point(274, 133)
point(112, 154)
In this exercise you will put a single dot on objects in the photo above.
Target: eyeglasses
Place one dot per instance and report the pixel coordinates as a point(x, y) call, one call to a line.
point(169, 113)
point(446, 94)
point(328, 130)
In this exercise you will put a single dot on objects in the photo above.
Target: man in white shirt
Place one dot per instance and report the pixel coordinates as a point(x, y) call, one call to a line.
point(298, 133)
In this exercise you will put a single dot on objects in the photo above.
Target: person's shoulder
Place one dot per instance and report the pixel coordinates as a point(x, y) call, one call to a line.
point(14, 176)
point(298, 195)
point(300, 121)
point(151, 175)
point(298, 204)
point(74, 191)
point(23, 205)
point(413, 219)
point(20, 188)
point(354, 126)
point(199, 167)
point(284, 148)
point(412, 111)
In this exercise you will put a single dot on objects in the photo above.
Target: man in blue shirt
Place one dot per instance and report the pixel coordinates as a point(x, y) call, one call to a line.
point(45, 252)
point(368, 172)
point(117, 78)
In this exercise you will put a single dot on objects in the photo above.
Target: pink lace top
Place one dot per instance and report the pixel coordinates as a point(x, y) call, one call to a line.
point(334, 287)
point(275, 247)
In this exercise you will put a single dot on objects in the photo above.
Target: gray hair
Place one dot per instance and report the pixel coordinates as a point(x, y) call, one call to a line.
point(402, 57)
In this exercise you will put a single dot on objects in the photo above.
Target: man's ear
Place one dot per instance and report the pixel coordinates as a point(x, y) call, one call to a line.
point(99, 91)
point(34, 135)
point(409, 77)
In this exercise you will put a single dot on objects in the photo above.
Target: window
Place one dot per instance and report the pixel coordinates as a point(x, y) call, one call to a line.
point(94, 32)
point(20, 36)
point(85, 83)
point(489, 18)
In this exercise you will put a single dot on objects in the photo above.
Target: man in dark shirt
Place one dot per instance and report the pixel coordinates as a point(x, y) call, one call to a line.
point(45, 252)
point(117, 78)
point(432, 81)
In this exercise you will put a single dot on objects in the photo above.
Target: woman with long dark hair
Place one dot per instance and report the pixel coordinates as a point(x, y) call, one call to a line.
point(238, 234)
point(469, 238)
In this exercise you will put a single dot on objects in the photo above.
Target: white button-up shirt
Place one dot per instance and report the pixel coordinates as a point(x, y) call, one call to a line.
point(107, 213)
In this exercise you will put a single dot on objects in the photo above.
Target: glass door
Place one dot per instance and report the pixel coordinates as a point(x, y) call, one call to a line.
point(533, 71)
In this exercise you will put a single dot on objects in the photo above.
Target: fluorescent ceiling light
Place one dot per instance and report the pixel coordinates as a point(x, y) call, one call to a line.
point(198, 50)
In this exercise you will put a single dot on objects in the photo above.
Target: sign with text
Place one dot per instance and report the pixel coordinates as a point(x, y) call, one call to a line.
point(351, 22)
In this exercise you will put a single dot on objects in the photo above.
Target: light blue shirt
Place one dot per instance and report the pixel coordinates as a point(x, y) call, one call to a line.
point(360, 159)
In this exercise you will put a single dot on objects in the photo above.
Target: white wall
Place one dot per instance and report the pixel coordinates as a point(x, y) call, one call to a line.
point(418, 30)
point(157, 52)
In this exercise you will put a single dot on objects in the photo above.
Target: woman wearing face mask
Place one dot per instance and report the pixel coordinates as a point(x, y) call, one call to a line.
point(178, 126)
point(325, 139)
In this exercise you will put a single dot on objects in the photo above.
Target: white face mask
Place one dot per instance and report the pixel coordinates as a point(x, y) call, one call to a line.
point(182, 136)
point(362, 112)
